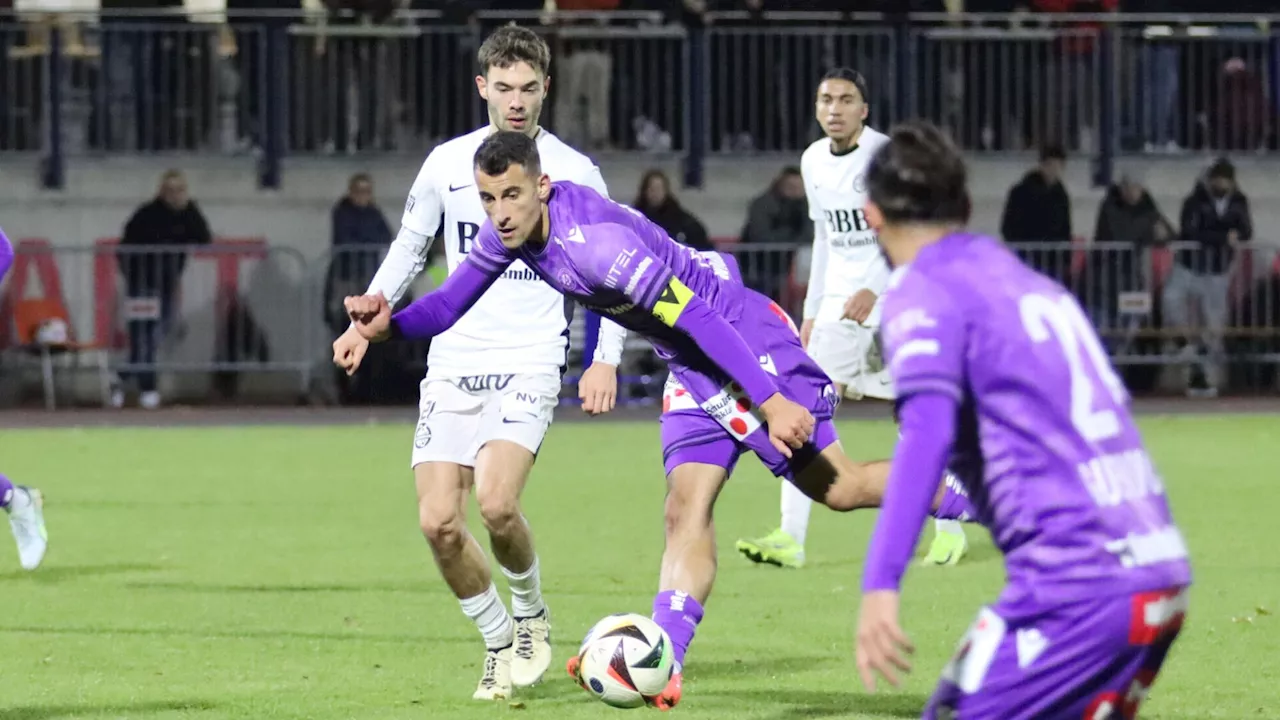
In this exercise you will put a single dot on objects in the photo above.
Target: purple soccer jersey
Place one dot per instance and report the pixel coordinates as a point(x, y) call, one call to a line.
point(6, 255)
point(1001, 363)
point(730, 347)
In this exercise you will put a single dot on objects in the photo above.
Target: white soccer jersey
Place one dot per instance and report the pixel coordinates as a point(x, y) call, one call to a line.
point(521, 324)
point(845, 257)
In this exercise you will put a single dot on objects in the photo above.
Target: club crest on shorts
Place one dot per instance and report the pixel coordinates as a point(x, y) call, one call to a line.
point(422, 436)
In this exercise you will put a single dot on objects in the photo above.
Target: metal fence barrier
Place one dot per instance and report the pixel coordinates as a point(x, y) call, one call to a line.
point(270, 86)
point(241, 319)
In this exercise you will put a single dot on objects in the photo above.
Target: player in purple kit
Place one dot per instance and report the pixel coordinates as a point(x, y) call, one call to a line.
point(24, 505)
point(998, 371)
point(732, 350)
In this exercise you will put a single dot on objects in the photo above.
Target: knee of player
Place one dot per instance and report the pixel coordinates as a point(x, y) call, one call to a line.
point(442, 528)
point(498, 509)
point(853, 489)
point(685, 510)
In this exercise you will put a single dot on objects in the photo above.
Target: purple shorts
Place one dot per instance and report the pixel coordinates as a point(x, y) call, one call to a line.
point(1092, 660)
point(709, 420)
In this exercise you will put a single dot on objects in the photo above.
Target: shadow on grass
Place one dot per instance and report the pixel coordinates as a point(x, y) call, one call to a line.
point(793, 704)
point(52, 712)
point(759, 667)
point(63, 573)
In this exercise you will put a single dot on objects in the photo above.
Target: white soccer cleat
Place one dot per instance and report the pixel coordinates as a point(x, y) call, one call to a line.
point(26, 519)
point(532, 651)
point(495, 684)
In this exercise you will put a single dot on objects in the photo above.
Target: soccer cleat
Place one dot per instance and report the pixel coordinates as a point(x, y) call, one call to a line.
point(670, 695)
point(776, 548)
point(947, 548)
point(532, 653)
point(495, 683)
point(26, 519)
point(574, 666)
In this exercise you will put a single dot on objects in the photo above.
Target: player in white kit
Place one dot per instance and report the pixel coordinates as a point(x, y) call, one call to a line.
point(847, 275)
point(494, 379)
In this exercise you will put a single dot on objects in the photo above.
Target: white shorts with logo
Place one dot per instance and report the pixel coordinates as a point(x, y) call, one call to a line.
point(850, 355)
point(458, 415)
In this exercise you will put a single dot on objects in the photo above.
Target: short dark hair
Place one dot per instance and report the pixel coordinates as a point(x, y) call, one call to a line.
point(919, 177)
point(1222, 169)
point(511, 44)
point(1052, 152)
point(851, 75)
point(503, 149)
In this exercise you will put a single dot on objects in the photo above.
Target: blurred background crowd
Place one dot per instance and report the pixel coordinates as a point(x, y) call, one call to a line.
point(1117, 144)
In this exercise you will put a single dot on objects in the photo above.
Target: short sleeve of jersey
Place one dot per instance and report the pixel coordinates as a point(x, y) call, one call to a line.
point(619, 260)
point(423, 208)
point(923, 336)
point(488, 251)
point(807, 177)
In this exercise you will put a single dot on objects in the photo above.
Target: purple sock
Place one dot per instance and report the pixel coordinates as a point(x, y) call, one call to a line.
point(6, 491)
point(679, 615)
point(955, 503)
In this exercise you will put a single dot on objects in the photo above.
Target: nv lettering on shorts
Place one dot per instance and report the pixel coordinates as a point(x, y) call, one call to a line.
point(527, 398)
point(481, 383)
point(847, 221)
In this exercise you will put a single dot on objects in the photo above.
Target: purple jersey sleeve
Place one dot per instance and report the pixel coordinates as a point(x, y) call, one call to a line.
point(923, 333)
point(438, 310)
point(928, 425)
point(621, 261)
point(6, 255)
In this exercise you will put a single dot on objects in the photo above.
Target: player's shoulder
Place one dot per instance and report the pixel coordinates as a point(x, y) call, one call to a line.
point(872, 139)
point(815, 152)
point(561, 161)
point(459, 149)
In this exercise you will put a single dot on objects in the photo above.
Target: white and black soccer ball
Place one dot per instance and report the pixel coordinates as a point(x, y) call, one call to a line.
point(626, 659)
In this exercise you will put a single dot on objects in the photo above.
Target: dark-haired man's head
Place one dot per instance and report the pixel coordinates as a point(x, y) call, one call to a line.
point(841, 106)
point(513, 188)
point(790, 183)
point(1053, 161)
point(1221, 178)
point(917, 190)
point(513, 77)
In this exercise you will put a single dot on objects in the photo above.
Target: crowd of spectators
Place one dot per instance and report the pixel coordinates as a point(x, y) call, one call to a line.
point(369, 75)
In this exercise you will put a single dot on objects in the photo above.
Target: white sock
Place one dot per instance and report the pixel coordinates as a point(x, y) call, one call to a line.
point(526, 592)
point(20, 500)
point(795, 512)
point(949, 526)
point(491, 616)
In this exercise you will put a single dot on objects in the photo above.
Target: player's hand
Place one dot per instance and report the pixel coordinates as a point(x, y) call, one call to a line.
point(789, 424)
point(349, 350)
point(881, 646)
point(806, 332)
point(371, 315)
point(858, 308)
point(598, 388)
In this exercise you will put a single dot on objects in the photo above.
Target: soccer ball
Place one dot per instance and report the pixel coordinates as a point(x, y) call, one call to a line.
point(626, 658)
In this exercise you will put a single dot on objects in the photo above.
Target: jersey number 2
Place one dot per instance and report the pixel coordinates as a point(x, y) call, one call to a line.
point(1060, 318)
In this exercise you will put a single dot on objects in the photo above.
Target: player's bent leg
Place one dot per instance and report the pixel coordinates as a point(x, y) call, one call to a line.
point(502, 468)
point(1094, 659)
point(25, 507)
point(442, 492)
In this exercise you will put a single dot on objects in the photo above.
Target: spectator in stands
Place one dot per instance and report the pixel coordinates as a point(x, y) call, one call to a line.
point(1216, 217)
point(360, 234)
point(655, 201)
point(584, 78)
point(154, 249)
point(1038, 210)
point(1130, 220)
point(779, 221)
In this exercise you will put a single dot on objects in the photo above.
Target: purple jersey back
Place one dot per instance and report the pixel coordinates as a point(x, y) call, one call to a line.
point(1045, 443)
point(611, 259)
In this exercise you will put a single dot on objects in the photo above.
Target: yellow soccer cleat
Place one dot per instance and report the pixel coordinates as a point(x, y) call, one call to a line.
point(776, 548)
point(949, 546)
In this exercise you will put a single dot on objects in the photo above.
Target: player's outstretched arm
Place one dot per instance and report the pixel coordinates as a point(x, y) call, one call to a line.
point(439, 309)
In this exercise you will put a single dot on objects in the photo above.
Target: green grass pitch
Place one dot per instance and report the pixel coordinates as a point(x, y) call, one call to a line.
point(273, 572)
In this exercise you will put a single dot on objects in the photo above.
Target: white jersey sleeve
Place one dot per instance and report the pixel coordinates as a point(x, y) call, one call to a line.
point(613, 337)
point(418, 226)
point(820, 256)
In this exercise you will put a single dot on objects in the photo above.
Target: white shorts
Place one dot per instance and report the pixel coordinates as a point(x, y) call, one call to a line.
point(850, 355)
point(457, 416)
